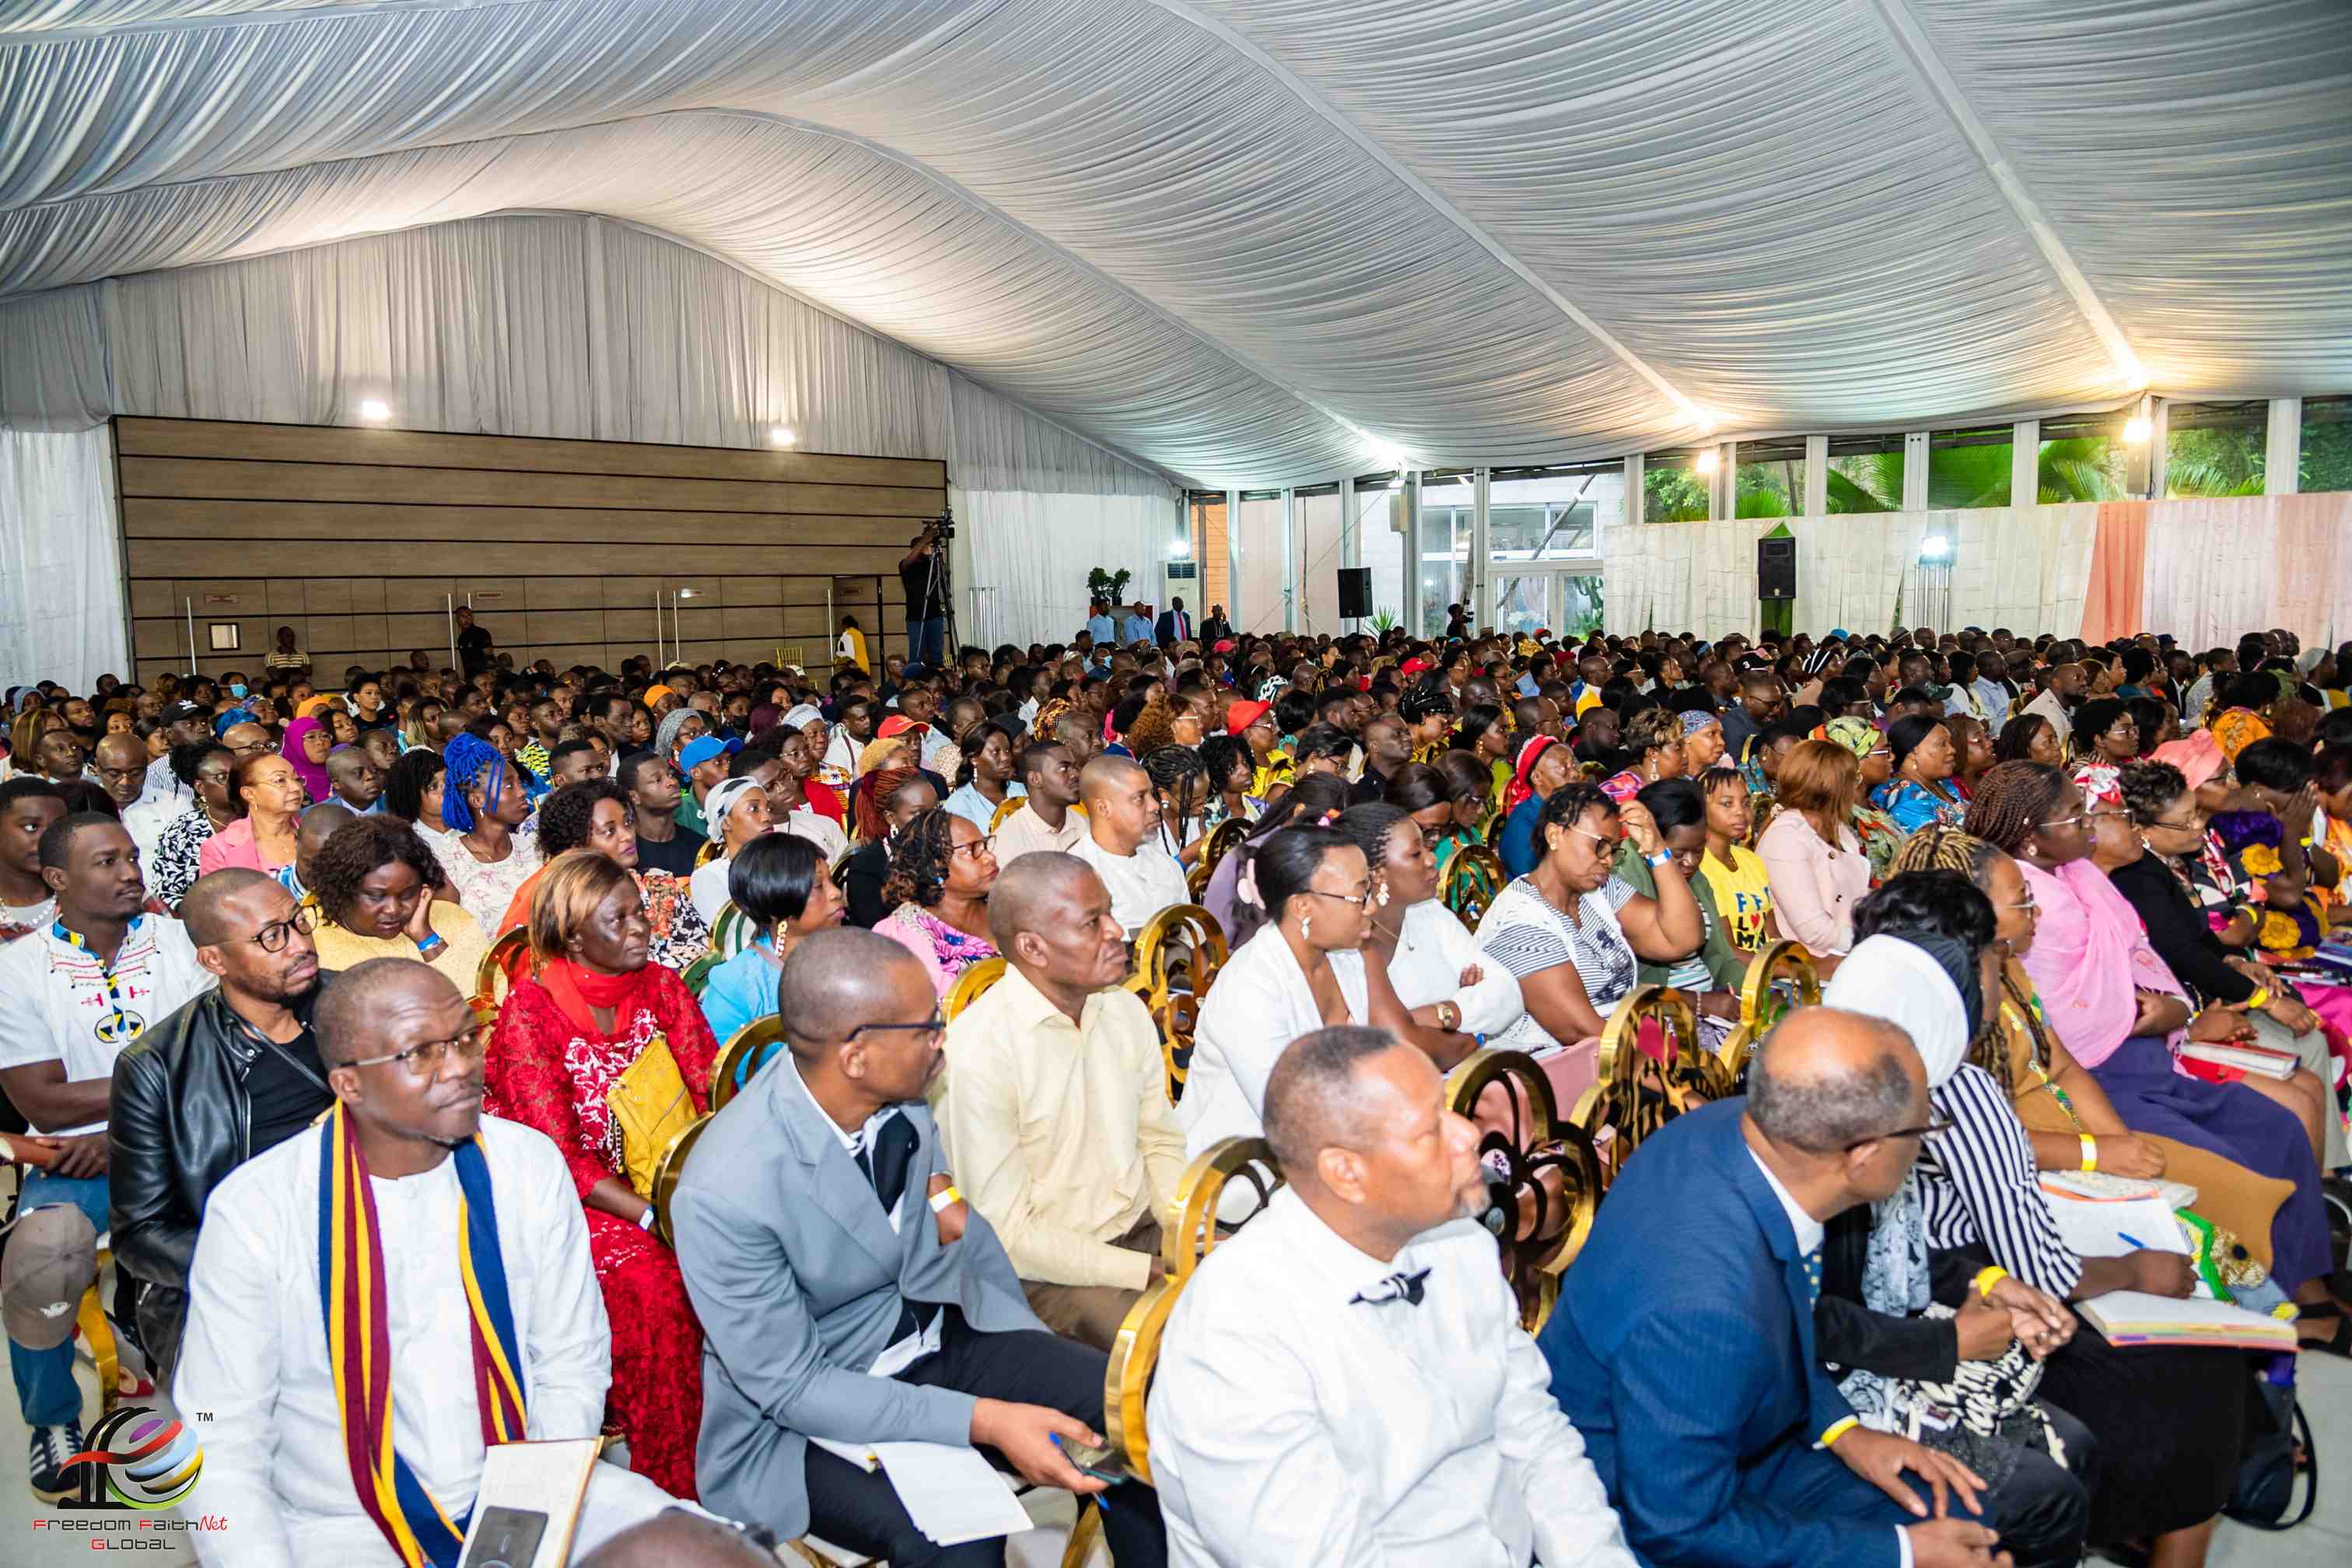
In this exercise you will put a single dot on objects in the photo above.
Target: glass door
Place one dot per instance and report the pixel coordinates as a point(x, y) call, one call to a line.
point(1567, 604)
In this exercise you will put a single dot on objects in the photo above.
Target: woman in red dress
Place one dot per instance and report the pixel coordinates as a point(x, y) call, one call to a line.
point(590, 1010)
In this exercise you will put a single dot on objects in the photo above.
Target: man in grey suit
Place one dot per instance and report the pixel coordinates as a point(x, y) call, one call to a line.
point(835, 1304)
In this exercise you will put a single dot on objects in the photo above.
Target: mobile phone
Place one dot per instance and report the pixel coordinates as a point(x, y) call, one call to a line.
point(1098, 1460)
point(507, 1538)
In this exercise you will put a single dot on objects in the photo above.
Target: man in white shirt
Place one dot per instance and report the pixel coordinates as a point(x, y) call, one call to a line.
point(405, 1058)
point(1057, 1113)
point(1122, 809)
point(71, 996)
point(1346, 1379)
point(1046, 820)
point(2060, 693)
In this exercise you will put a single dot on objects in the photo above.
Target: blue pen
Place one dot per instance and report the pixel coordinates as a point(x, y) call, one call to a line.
point(2127, 1240)
point(1101, 1501)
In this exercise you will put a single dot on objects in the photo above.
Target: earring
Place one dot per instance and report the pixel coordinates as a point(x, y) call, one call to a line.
point(1380, 896)
point(1306, 928)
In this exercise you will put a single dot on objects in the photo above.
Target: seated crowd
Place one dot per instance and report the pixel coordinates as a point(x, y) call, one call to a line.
point(373, 1029)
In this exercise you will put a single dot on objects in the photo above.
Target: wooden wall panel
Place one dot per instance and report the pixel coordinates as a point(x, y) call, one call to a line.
point(360, 540)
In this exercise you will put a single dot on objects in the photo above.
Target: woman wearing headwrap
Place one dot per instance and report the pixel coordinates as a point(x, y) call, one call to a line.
point(307, 744)
point(1878, 833)
point(1543, 766)
point(739, 813)
point(1919, 1343)
point(1655, 738)
point(492, 847)
point(1702, 741)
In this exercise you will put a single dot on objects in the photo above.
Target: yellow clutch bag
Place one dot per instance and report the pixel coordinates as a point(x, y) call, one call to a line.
point(650, 1105)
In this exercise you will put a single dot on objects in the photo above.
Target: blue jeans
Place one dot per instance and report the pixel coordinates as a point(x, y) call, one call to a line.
point(46, 1394)
point(927, 641)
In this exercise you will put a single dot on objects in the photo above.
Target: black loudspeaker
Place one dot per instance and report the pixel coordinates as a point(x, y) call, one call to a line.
point(1776, 568)
point(1355, 592)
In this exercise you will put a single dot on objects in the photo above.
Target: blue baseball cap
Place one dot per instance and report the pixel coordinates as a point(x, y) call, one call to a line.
point(704, 748)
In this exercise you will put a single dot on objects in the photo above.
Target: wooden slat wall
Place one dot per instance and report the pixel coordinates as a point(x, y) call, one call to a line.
point(358, 538)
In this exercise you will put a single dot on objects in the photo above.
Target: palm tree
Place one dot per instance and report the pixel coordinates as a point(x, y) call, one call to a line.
point(2077, 468)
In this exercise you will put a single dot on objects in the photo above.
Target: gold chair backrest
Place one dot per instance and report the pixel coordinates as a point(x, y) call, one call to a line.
point(743, 1056)
point(1003, 813)
point(1222, 839)
point(972, 985)
point(732, 931)
point(710, 850)
point(1135, 1354)
point(1177, 954)
point(668, 1165)
point(1762, 1001)
point(495, 975)
point(1550, 1167)
point(1473, 875)
point(1637, 1093)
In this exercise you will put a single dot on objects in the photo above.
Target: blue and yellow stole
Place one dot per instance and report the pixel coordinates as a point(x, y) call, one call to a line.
point(359, 1342)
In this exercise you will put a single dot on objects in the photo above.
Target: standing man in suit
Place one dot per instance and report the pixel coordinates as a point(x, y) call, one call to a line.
point(1175, 625)
point(838, 1304)
point(1690, 1369)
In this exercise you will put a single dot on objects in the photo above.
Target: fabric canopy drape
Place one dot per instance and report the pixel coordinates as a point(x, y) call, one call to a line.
point(562, 325)
point(61, 609)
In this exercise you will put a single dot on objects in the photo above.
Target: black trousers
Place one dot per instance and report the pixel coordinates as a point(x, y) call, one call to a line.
point(861, 1510)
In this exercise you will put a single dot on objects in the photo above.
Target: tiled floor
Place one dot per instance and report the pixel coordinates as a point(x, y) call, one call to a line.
point(26, 1540)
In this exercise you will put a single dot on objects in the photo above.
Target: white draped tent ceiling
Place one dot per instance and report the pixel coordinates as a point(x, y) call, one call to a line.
point(1281, 241)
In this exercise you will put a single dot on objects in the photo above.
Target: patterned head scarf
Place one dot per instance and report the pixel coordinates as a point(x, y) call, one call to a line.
point(1859, 736)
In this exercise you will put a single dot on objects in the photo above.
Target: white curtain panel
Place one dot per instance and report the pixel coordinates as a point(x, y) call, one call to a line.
point(2219, 569)
point(61, 577)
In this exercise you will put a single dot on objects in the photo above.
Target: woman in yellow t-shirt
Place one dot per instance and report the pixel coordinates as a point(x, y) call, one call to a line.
point(1734, 872)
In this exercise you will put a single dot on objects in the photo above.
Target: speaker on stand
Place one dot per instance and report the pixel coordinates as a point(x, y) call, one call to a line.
point(1355, 593)
point(1776, 568)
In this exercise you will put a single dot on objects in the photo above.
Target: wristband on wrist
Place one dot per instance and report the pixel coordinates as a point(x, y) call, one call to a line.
point(2260, 998)
point(1987, 1278)
point(1836, 1430)
point(433, 939)
point(646, 1220)
point(946, 1197)
point(2090, 1153)
point(1660, 858)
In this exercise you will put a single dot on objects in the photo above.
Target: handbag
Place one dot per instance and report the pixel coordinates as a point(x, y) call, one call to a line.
point(2276, 1452)
point(650, 1107)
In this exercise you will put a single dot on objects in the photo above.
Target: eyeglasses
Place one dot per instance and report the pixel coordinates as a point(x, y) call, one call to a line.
point(272, 938)
point(420, 1060)
point(934, 1025)
point(1361, 900)
point(1607, 844)
point(1933, 1125)
point(2195, 823)
point(976, 848)
point(2026, 904)
point(2079, 816)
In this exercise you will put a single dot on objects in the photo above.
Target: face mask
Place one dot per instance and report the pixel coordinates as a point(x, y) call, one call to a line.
point(237, 688)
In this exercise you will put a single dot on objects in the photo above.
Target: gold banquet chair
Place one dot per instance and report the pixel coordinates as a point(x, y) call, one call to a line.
point(1222, 839)
point(507, 961)
point(970, 986)
point(1637, 1093)
point(1177, 954)
point(1780, 977)
point(1003, 813)
point(1549, 1169)
point(751, 1048)
point(1473, 875)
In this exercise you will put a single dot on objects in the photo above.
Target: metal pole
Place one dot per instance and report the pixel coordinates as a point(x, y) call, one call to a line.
point(657, 633)
point(191, 605)
point(449, 612)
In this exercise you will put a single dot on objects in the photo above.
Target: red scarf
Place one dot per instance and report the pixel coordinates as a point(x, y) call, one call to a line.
point(1529, 754)
point(579, 990)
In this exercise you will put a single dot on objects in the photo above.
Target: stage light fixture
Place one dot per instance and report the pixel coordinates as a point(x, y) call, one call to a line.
point(1178, 549)
point(1935, 548)
point(374, 410)
point(1706, 463)
point(780, 436)
point(2137, 429)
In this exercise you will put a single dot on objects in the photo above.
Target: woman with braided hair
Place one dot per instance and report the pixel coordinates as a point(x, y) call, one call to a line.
point(1427, 710)
point(1230, 771)
point(2121, 1013)
point(1180, 782)
point(491, 848)
point(940, 871)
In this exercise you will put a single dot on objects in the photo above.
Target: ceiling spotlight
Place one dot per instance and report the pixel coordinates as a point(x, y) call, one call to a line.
point(1396, 483)
point(1706, 463)
point(2137, 429)
point(374, 410)
point(1178, 549)
point(780, 436)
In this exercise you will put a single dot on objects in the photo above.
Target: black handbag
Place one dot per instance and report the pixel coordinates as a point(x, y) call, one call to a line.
point(2278, 1449)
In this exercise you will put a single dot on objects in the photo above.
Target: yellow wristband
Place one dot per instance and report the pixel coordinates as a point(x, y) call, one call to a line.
point(2260, 998)
point(2090, 1153)
point(1988, 1277)
point(946, 1197)
point(1838, 1430)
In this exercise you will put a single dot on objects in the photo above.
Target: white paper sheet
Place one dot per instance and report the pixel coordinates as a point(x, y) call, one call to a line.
point(952, 1493)
point(2110, 1227)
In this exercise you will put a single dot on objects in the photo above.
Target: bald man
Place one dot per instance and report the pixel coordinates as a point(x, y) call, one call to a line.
point(1346, 1380)
point(1057, 1110)
point(403, 1060)
point(837, 1302)
point(120, 763)
point(1122, 845)
point(1690, 1369)
point(313, 828)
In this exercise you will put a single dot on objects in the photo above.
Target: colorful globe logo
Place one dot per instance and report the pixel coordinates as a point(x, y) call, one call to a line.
point(139, 1459)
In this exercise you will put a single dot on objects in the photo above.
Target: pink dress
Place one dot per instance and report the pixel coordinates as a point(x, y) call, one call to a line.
point(944, 952)
point(233, 845)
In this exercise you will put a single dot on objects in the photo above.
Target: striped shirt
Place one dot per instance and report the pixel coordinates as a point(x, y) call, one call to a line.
point(1977, 1183)
point(1527, 935)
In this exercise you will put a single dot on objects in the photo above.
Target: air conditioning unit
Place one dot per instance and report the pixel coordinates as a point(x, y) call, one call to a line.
point(1180, 579)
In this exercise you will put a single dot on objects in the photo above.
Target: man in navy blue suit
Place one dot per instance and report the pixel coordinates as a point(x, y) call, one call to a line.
point(1683, 1344)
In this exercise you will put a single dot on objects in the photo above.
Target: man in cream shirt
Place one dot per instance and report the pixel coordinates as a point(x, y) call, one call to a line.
point(1122, 811)
point(1346, 1379)
point(1055, 1107)
point(1051, 779)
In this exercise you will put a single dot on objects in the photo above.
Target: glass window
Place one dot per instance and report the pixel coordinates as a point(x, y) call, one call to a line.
point(1205, 514)
point(1315, 540)
point(1380, 546)
point(1968, 467)
point(1553, 514)
point(1671, 489)
point(1865, 473)
point(2215, 449)
point(1259, 570)
point(2083, 456)
point(2327, 456)
point(1772, 478)
point(1564, 604)
point(1448, 501)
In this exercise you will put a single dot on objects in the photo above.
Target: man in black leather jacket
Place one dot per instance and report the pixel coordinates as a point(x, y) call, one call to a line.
point(218, 1081)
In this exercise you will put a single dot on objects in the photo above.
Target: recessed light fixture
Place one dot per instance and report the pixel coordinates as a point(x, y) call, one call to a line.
point(780, 436)
point(1934, 547)
point(1178, 549)
point(374, 410)
point(689, 593)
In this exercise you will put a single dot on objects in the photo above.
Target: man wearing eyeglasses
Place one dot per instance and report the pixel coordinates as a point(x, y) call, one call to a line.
point(229, 1075)
point(848, 1293)
point(461, 1281)
point(71, 996)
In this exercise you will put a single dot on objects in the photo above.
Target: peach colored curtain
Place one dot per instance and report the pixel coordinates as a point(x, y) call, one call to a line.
point(2112, 599)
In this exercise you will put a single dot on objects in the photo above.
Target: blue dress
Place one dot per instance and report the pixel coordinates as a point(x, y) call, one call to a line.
point(741, 991)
